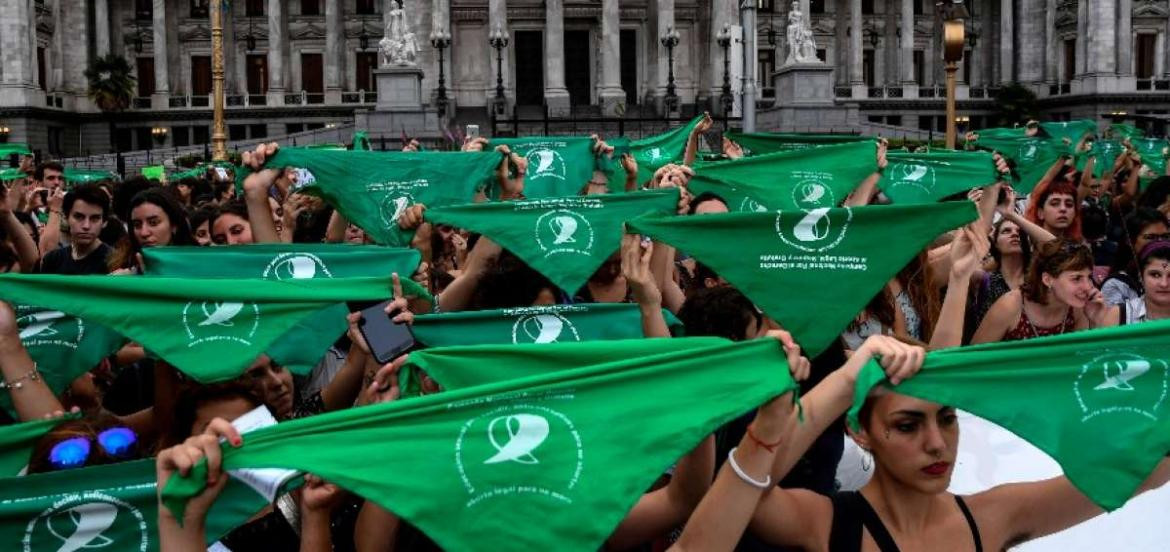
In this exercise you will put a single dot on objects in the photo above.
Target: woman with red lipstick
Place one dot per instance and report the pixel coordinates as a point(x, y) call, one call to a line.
point(1057, 296)
point(156, 218)
point(1155, 303)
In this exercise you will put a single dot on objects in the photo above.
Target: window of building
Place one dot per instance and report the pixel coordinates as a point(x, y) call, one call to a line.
point(144, 138)
point(180, 136)
point(258, 131)
point(875, 119)
point(310, 7)
point(143, 9)
point(1144, 55)
point(1070, 59)
point(868, 67)
point(867, 7)
point(364, 7)
point(254, 8)
point(201, 135)
point(199, 8)
point(294, 128)
point(55, 139)
point(124, 139)
point(816, 6)
point(920, 67)
point(366, 63)
point(237, 132)
point(145, 76)
point(894, 120)
point(967, 66)
point(766, 66)
point(925, 122)
point(917, 7)
point(767, 6)
point(822, 54)
point(200, 75)
point(314, 126)
point(312, 74)
point(257, 73)
point(41, 79)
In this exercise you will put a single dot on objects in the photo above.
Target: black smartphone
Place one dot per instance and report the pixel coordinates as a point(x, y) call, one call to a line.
point(386, 338)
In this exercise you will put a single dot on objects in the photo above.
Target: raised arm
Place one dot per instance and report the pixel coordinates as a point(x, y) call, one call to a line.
point(460, 292)
point(51, 233)
point(636, 269)
point(999, 319)
point(26, 248)
point(335, 232)
point(865, 191)
point(256, 190)
point(967, 252)
point(1035, 232)
point(661, 510)
point(693, 140)
point(31, 397)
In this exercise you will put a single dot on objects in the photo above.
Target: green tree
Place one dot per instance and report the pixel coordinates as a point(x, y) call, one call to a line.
point(111, 87)
point(1015, 104)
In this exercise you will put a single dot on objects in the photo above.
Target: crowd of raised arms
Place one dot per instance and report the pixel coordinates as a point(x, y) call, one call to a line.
point(1084, 245)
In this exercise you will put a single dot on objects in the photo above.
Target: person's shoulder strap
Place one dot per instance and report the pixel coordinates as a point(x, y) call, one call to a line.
point(970, 523)
point(850, 512)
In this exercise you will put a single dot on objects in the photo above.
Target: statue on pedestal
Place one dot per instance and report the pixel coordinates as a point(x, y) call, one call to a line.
point(802, 48)
point(399, 47)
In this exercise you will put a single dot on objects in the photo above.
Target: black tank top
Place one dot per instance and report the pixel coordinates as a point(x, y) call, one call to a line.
point(852, 512)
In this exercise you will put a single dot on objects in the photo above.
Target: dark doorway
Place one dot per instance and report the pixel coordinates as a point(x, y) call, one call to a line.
point(200, 76)
point(529, 68)
point(366, 63)
point(313, 77)
point(629, 64)
point(257, 73)
point(145, 76)
point(578, 67)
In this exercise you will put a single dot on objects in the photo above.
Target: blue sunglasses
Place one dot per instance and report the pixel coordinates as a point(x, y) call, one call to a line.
point(117, 442)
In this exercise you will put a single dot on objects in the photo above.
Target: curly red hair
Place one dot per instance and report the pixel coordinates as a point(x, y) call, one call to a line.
point(1046, 190)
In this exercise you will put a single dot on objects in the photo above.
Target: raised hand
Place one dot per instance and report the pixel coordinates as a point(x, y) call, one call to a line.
point(636, 269)
point(181, 458)
point(899, 360)
point(412, 217)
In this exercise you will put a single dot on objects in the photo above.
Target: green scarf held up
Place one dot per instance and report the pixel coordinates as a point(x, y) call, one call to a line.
point(558, 166)
point(1032, 156)
point(810, 271)
point(109, 507)
point(800, 179)
point(1120, 131)
point(64, 347)
point(566, 239)
point(301, 348)
point(929, 177)
point(1074, 131)
point(212, 330)
point(759, 143)
point(542, 324)
point(1095, 401)
point(657, 151)
point(1153, 152)
point(1105, 152)
point(574, 446)
point(17, 442)
point(372, 189)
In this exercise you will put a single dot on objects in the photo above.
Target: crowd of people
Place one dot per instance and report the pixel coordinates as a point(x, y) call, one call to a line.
point(1085, 249)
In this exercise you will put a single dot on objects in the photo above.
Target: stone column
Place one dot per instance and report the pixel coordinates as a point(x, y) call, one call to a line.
point(723, 12)
point(856, 58)
point(276, 49)
point(556, 96)
point(162, 74)
point(1031, 42)
point(101, 17)
point(1165, 42)
point(1006, 42)
point(16, 58)
point(232, 83)
point(1082, 46)
point(1051, 44)
point(1102, 38)
point(334, 51)
point(610, 91)
point(908, 44)
point(498, 19)
point(1125, 37)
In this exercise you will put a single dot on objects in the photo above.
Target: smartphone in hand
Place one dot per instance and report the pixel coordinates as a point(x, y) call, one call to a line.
point(386, 338)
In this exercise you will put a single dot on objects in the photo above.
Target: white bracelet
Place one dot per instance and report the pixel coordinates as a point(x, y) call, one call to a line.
point(761, 485)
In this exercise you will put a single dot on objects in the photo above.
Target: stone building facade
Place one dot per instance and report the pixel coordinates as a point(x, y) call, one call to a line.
point(296, 65)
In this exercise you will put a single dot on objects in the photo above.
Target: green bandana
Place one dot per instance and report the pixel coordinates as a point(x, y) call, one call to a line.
point(1032, 156)
point(210, 329)
point(63, 346)
point(566, 239)
point(1105, 151)
point(804, 179)
point(1126, 131)
point(557, 166)
point(17, 441)
point(1073, 130)
point(813, 271)
point(1153, 152)
point(14, 148)
point(1095, 401)
point(551, 324)
point(654, 152)
point(573, 447)
point(373, 188)
point(301, 348)
point(112, 507)
point(930, 177)
point(758, 143)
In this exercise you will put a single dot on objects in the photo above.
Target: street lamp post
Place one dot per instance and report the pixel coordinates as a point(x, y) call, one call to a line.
point(499, 40)
point(669, 41)
point(441, 39)
point(218, 132)
point(724, 40)
point(952, 13)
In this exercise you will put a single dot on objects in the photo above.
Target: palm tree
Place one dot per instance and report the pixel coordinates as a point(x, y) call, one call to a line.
point(111, 87)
